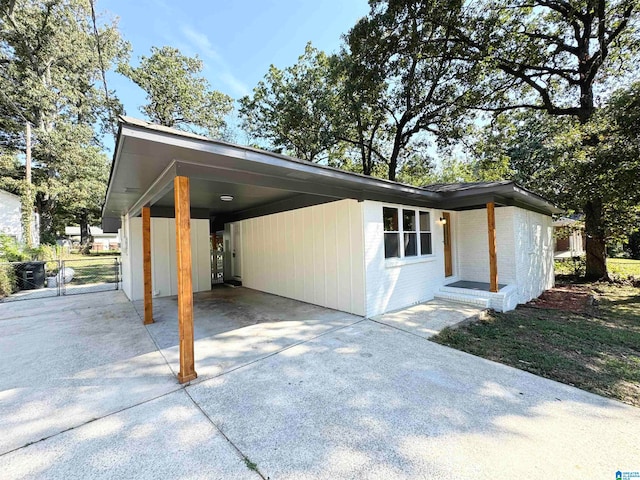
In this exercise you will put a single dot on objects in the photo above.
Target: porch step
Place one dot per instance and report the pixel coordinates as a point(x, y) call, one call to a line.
point(463, 298)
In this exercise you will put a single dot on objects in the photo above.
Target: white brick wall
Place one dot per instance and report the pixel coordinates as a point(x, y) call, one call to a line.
point(524, 263)
point(524, 242)
point(473, 245)
point(534, 253)
point(396, 283)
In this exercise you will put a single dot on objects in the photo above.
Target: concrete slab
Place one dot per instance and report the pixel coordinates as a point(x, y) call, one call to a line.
point(369, 401)
point(235, 326)
point(427, 319)
point(165, 438)
point(69, 360)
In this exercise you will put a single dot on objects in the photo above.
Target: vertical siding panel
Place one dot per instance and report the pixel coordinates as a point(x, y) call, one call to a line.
point(160, 265)
point(343, 259)
point(331, 253)
point(171, 233)
point(299, 248)
point(309, 255)
point(194, 255)
point(204, 264)
point(289, 254)
point(320, 291)
point(357, 254)
point(282, 254)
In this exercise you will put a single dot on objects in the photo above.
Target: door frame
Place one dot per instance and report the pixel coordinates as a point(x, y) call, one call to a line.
point(236, 251)
point(447, 242)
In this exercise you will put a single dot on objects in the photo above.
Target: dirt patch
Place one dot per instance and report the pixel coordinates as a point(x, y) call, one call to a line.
point(570, 298)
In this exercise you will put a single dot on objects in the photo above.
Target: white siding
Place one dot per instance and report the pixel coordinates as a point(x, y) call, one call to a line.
point(11, 218)
point(312, 254)
point(397, 283)
point(163, 257)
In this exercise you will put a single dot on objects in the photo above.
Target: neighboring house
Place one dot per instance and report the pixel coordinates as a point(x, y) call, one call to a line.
point(570, 240)
point(101, 241)
point(318, 234)
point(11, 219)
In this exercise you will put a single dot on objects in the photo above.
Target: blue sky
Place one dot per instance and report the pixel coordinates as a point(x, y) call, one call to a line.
point(236, 39)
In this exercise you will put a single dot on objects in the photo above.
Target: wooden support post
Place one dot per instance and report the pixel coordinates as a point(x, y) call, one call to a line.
point(146, 265)
point(493, 257)
point(185, 287)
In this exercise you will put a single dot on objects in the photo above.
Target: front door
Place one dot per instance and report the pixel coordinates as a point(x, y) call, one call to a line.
point(448, 261)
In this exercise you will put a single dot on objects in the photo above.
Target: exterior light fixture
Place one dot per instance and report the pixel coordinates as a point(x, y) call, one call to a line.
point(226, 198)
point(443, 220)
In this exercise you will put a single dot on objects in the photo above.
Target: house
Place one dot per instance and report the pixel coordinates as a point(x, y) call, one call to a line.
point(101, 241)
point(314, 233)
point(570, 240)
point(11, 219)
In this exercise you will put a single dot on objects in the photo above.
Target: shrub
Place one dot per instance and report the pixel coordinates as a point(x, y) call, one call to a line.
point(10, 251)
point(7, 280)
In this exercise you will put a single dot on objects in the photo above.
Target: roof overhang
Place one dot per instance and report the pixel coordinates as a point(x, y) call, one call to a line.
point(148, 157)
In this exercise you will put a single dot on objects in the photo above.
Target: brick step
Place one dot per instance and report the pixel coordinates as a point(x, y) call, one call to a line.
point(467, 299)
point(468, 291)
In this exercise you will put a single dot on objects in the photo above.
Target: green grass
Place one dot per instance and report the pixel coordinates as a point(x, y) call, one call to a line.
point(621, 268)
point(250, 465)
point(90, 269)
point(598, 352)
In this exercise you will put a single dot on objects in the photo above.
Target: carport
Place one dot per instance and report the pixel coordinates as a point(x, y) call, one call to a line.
point(158, 172)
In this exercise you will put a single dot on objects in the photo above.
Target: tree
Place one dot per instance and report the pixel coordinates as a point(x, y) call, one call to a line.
point(50, 77)
point(82, 174)
point(411, 70)
point(178, 96)
point(296, 110)
point(550, 155)
point(552, 56)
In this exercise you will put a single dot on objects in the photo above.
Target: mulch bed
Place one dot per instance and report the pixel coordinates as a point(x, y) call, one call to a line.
point(572, 298)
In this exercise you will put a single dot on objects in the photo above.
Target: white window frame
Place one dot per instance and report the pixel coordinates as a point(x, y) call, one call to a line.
point(419, 256)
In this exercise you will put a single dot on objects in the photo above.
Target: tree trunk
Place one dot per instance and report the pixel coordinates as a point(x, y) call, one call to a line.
point(596, 244)
point(393, 162)
point(84, 231)
point(86, 240)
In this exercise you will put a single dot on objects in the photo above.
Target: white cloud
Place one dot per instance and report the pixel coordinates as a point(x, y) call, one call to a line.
point(202, 45)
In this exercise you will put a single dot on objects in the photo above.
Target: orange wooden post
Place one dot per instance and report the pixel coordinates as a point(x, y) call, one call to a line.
point(185, 287)
point(493, 257)
point(146, 265)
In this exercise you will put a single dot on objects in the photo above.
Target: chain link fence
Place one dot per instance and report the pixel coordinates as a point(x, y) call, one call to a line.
point(35, 279)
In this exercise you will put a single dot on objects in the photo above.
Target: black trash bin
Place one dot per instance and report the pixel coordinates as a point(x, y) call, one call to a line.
point(30, 275)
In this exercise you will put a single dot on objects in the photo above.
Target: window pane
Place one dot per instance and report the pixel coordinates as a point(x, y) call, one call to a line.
point(391, 245)
point(425, 244)
point(425, 225)
point(409, 220)
point(390, 218)
point(410, 244)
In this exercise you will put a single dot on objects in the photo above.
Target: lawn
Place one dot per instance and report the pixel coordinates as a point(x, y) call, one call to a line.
point(90, 269)
point(598, 351)
point(617, 267)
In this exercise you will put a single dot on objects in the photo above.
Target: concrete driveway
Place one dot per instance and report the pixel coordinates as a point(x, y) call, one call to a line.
point(319, 395)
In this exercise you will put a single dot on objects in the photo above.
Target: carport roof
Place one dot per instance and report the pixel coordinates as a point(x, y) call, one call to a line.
point(147, 157)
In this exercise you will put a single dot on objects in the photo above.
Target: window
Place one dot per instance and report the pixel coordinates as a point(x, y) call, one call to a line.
point(414, 230)
point(425, 234)
point(391, 232)
point(410, 235)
